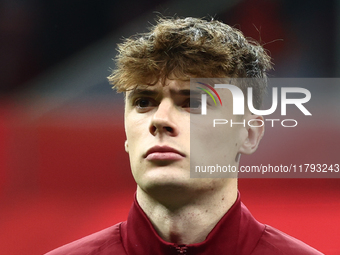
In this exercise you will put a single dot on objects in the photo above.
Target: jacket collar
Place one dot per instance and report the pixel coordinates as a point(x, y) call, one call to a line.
point(236, 233)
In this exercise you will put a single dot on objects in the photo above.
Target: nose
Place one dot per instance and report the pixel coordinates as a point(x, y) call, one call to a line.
point(164, 119)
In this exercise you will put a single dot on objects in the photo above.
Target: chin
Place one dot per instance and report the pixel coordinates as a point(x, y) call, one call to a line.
point(165, 182)
point(168, 193)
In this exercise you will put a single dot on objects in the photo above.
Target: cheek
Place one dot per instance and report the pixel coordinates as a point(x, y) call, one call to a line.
point(223, 139)
point(211, 146)
point(132, 138)
point(136, 130)
point(131, 123)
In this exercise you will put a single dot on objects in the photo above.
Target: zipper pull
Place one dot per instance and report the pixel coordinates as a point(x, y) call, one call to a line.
point(181, 249)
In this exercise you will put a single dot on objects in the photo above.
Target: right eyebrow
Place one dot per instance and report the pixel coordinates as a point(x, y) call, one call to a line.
point(142, 92)
point(155, 93)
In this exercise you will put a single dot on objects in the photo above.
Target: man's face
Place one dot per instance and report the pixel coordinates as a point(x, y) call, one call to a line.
point(157, 126)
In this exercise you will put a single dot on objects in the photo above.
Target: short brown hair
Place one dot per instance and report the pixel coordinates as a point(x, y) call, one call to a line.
point(178, 48)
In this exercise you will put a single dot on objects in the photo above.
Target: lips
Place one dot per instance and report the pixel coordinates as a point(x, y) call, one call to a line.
point(157, 153)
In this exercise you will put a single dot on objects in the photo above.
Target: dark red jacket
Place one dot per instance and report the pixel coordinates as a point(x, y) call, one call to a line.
point(236, 233)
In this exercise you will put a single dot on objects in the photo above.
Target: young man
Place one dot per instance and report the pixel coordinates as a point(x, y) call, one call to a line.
point(173, 213)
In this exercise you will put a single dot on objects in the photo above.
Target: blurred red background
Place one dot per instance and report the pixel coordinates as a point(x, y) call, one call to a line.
point(63, 170)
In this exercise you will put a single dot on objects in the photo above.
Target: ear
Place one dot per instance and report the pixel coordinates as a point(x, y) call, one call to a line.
point(255, 132)
point(126, 145)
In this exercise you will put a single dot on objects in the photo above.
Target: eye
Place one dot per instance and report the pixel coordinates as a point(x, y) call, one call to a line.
point(143, 104)
point(193, 105)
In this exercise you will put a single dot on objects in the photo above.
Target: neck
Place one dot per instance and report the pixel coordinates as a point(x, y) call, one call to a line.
point(191, 219)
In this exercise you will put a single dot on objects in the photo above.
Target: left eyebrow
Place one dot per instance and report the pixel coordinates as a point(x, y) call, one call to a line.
point(182, 92)
point(186, 92)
